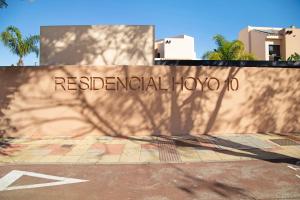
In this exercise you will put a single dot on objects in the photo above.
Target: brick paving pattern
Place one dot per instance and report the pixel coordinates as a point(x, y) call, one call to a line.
point(147, 149)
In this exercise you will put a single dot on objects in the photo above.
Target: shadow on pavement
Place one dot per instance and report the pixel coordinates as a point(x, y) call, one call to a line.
point(220, 145)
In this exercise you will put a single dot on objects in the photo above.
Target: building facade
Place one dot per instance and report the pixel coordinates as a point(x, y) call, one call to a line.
point(180, 47)
point(268, 43)
point(97, 45)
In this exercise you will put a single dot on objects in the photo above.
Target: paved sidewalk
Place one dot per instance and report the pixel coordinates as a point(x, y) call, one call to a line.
point(149, 149)
point(239, 180)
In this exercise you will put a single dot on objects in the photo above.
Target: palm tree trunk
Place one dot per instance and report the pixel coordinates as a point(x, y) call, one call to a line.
point(20, 62)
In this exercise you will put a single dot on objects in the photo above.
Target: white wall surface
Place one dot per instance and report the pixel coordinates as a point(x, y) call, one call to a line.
point(178, 47)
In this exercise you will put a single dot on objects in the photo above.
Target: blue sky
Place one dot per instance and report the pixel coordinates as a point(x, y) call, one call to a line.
point(198, 18)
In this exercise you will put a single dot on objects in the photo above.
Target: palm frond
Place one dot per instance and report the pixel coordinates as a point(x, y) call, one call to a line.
point(30, 45)
point(10, 41)
point(247, 56)
point(14, 31)
point(35, 50)
point(294, 57)
point(212, 55)
point(31, 41)
point(228, 50)
point(3, 4)
point(12, 38)
point(220, 40)
point(236, 50)
point(205, 56)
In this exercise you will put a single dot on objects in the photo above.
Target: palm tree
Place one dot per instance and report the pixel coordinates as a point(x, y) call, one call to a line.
point(228, 50)
point(13, 39)
point(294, 57)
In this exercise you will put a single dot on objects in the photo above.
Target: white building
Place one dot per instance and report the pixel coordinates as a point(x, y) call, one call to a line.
point(179, 47)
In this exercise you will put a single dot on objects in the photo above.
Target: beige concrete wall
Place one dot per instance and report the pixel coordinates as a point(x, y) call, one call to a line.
point(258, 43)
point(254, 43)
point(267, 100)
point(244, 37)
point(292, 42)
point(97, 45)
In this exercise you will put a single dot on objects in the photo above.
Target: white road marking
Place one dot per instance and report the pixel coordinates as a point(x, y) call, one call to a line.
point(14, 175)
point(293, 168)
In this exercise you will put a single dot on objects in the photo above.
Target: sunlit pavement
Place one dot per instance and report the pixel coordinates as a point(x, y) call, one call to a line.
point(149, 149)
point(248, 166)
point(206, 180)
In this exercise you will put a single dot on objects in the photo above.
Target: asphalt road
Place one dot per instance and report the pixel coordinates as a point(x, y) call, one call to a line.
point(223, 180)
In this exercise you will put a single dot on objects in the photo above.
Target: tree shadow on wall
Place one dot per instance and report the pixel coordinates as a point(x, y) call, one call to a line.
point(156, 117)
point(276, 97)
point(157, 112)
point(11, 79)
point(149, 108)
point(88, 45)
point(115, 113)
point(152, 108)
point(152, 111)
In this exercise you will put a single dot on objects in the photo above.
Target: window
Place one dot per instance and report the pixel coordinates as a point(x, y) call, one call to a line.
point(157, 54)
point(274, 52)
